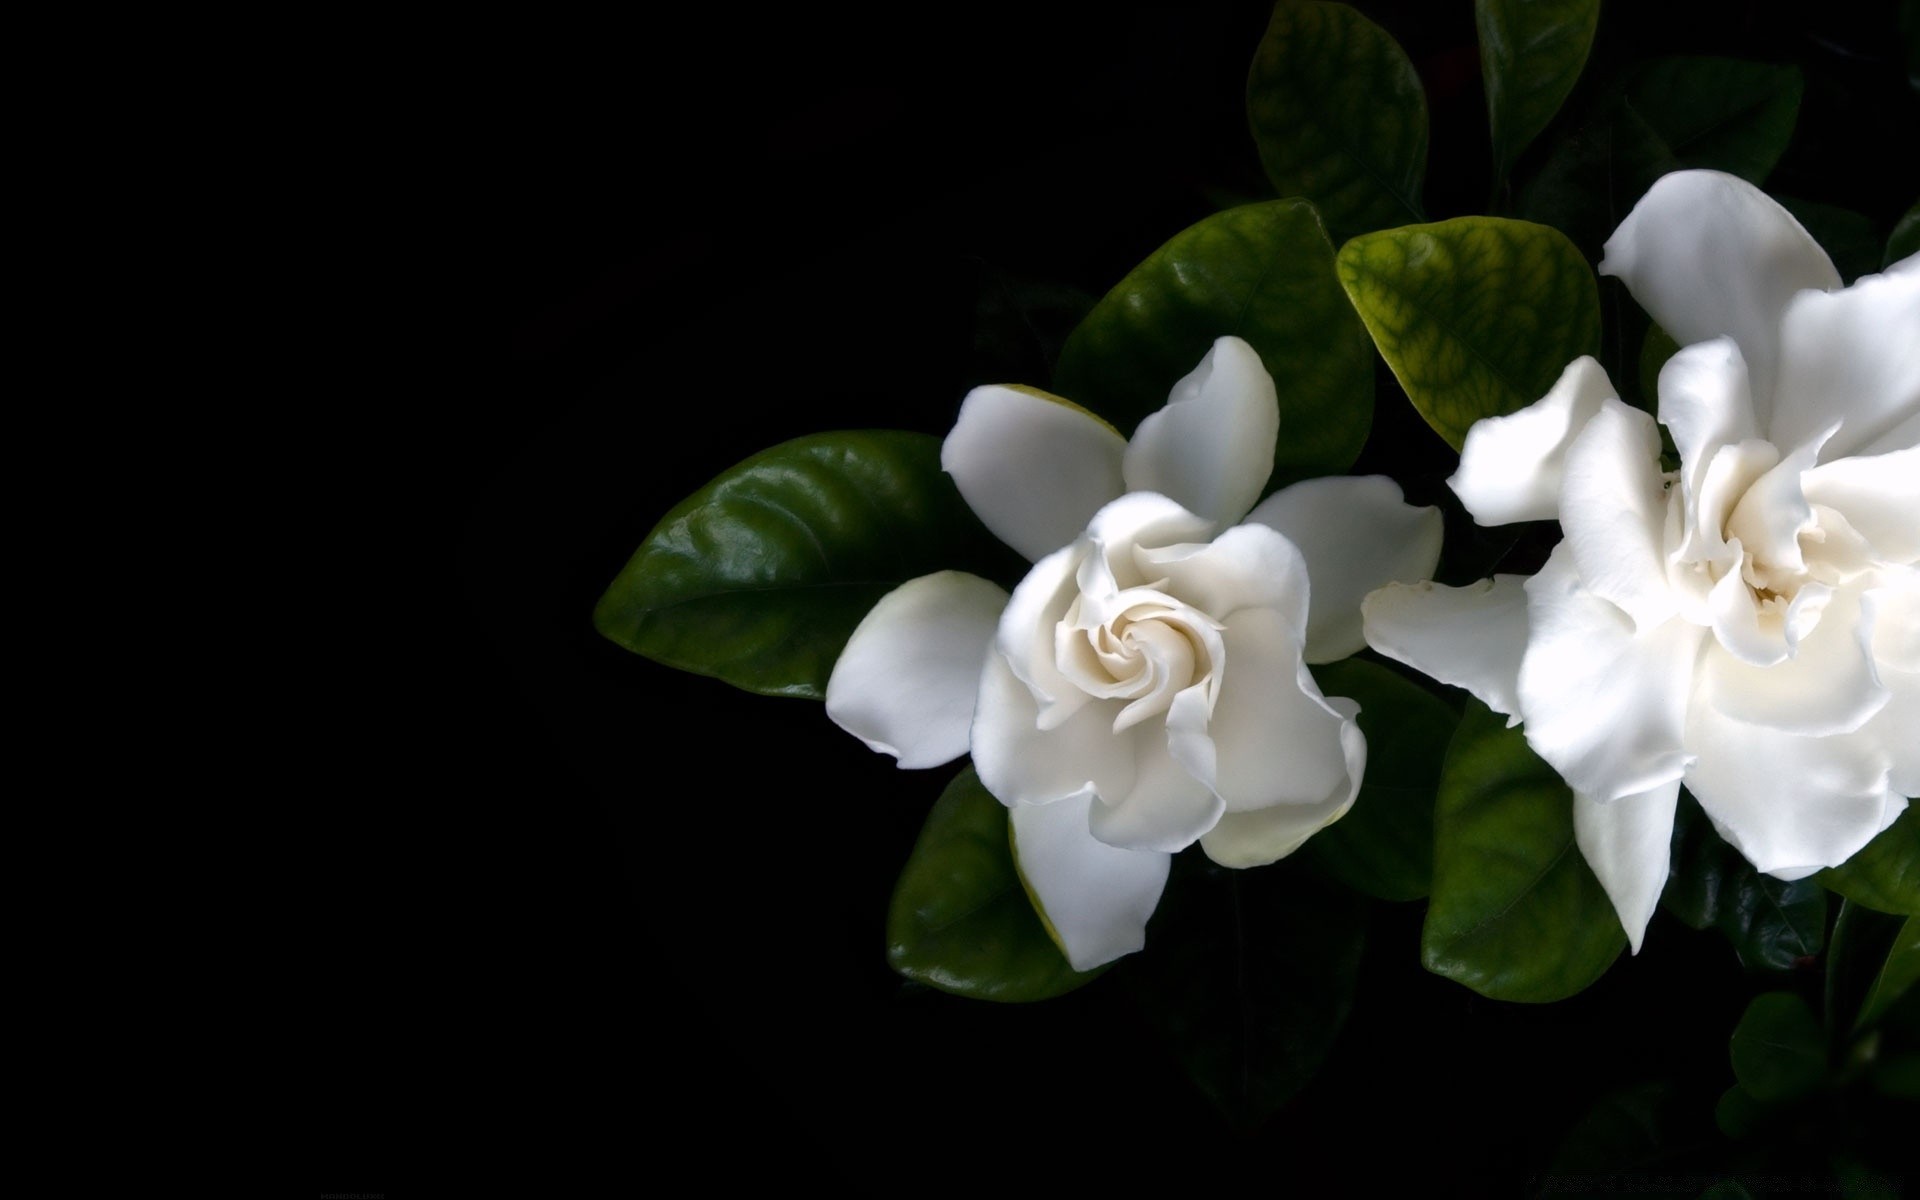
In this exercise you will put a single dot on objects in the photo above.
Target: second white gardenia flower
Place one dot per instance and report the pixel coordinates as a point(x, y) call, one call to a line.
point(1145, 687)
point(1748, 624)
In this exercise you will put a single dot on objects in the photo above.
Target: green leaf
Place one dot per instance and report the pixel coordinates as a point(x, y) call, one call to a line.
point(1477, 316)
point(1778, 1050)
point(1671, 113)
point(1722, 113)
point(1627, 1129)
point(1739, 1115)
point(1726, 1189)
point(1531, 53)
point(1857, 951)
point(1848, 237)
point(1896, 976)
point(1516, 913)
point(1885, 875)
point(1906, 237)
point(1384, 845)
point(1249, 975)
point(759, 577)
point(961, 919)
point(1898, 1077)
point(1772, 924)
point(1775, 924)
point(1263, 273)
point(1339, 116)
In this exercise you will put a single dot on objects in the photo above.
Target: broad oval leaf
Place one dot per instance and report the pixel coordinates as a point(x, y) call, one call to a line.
point(1662, 116)
point(1263, 273)
point(961, 920)
point(1516, 913)
point(759, 577)
point(1250, 976)
point(1723, 113)
point(1339, 116)
point(1885, 875)
point(1778, 1049)
point(1771, 923)
point(1531, 53)
point(1477, 316)
point(1384, 845)
point(1905, 240)
point(1628, 1129)
point(1896, 977)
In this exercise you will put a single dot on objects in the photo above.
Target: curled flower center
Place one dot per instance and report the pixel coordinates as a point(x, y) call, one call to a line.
point(1140, 645)
point(1750, 556)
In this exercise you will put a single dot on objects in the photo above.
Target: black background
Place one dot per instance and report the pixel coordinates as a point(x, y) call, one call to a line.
point(608, 924)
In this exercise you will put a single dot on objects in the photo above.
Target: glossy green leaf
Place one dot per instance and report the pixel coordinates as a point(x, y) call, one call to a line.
point(1739, 1115)
point(1249, 975)
point(1384, 845)
point(1897, 975)
point(1775, 924)
point(1857, 951)
point(1722, 113)
point(1726, 1189)
point(1772, 924)
point(1898, 1077)
point(759, 577)
point(1665, 115)
point(1531, 53)
point(961, 920)
point(1906, 237)
point(1627, 1129)
point(1886, 874)
point(1778, 1050)
point(1477, 316)
point(1339, 116)
point(1516, 913)
point(1263, 273)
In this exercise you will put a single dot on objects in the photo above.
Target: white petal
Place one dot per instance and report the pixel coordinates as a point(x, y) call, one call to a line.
point(1851, 356)
point(1613, 507)
point(1891, 604)
point(1471, 637)
point(1706, 405)
point(1248, 566)
point(1356, 535)
point(1605, 705)
point(1264, 835)
point(1167, 809)
point(1138, 519)
point(1023, 764)
point(1774, 512)
point(1510, 466)
point(1891, 731)
point(1791, 805)
point(1033, 467)
point(1211, 447)
point(1879, 497)
point(906, 683)
point(1627, 843)
point(1278, 740)
point(1709, 255)
point(1026, 634)
point(1096, 898)
point(1828, 686)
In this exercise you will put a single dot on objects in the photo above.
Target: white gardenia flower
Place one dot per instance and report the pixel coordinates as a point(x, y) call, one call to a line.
point(1749, 624)
point(1145, 687)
